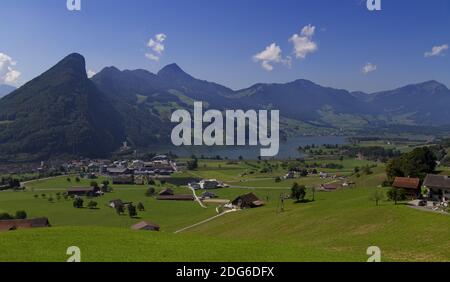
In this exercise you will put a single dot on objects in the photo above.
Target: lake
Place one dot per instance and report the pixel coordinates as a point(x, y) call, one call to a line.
point(288, 149)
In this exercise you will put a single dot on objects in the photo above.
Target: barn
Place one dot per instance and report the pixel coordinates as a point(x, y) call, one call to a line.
point(249, 200)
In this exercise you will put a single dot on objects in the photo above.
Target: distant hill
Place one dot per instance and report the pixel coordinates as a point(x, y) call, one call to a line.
point(419, 104)
point(5, 90)
point(62, 112)
point(59, 112)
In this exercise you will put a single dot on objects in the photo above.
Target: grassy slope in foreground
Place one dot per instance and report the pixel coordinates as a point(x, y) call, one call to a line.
point(344, 224)
point(100, 244)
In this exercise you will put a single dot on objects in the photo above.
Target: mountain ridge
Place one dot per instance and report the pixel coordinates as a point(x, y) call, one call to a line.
point(62, 112)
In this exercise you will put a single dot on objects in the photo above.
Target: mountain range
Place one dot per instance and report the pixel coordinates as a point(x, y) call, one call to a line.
point(62, 112)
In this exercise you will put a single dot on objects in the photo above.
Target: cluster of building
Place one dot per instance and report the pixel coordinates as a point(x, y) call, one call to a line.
point(437, 187)
point(207, 184)
point(124, 171)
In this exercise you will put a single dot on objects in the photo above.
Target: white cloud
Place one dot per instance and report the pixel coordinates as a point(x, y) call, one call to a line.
point(271, 55)
point(157, 45)
point(91, 73)
point(8, 73)
point(303, 43)
point(152, 57)
point(436, 51)
point(368, 68)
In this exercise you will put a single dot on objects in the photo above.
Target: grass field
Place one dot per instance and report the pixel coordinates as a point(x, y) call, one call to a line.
point(337, 226)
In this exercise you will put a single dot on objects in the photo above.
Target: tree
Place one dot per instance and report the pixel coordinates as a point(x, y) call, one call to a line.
point(150, 191)
point(298, 192)
point(140, 207)
point(21, 215)
point(94, 184)
point(313, 190)
point(36, 196)
point(417, 163)
point(377, 196)
point(78, 203)
point(396, 195)
point(92, 205)
point(119, 209)
point(68, 179)
point(77, 179)
point(151, 181)
point(192, 164)
point(132, 210)
point(50, 199)
point(105, 186)
point(5, 216)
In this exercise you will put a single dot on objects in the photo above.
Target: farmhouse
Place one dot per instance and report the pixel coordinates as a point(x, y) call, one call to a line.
point(123, 179)
point(207, 184)
point(181, 197)
point(84, 191)
point(329, 186)
point(117, 171)
point(115, 203)
point(410, 185)
point(439, 186)
point(8, 225)
point(144, 225)
point(166, 192)
point(249, 200)
point(208, 195)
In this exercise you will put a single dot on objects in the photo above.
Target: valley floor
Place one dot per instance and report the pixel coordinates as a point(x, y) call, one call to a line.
point(336, 226)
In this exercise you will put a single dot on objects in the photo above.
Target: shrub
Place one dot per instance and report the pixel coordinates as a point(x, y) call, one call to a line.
point(78, 203)
point(132, 210)
point(396, 195)
point(141, 207)
point(298, 192)
point(150, 191)
point(21, 215)
point(92, 205)
point(5, 216)
point(119, 209)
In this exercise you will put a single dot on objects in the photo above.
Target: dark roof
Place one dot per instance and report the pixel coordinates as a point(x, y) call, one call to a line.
point(406, 183)
point(116, 202)
point(330, 186)
point(144, 225)
point(248, 199)
point(117, 169)
point(166, 192)
point(437, 181)
point(81, 189)
point(176, 197)
point(24, 223)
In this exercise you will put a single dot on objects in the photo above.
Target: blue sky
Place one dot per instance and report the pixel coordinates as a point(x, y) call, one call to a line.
point(217, 40)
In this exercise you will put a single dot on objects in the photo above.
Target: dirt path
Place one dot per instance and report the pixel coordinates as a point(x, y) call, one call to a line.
point(197, 198)
point(22, 184)
point(204, 221)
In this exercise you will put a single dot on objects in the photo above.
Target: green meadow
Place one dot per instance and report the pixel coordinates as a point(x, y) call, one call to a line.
point(336, 226)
